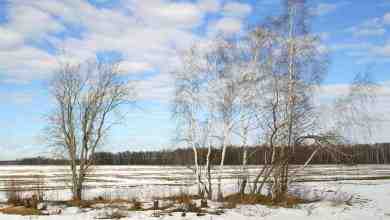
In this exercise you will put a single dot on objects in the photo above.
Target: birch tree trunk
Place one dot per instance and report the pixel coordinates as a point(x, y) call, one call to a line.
point(226, 143)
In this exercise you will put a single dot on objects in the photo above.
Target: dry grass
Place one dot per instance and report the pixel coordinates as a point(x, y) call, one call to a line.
point(162, 207)
point(181, 198)
point(116, 214)
point(13, 194)
point(186, 202)
point(232, 200)
point(81, 203)
point(136, 205)
point(20, 210)
point(19, 196)
point(101, 199)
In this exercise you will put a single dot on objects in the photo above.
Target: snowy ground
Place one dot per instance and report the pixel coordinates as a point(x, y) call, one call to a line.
point(370, 198)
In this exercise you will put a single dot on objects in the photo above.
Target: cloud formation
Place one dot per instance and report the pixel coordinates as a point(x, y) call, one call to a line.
point(371, 27)
point(147, 34)
point(235, 9)
point(327, 8)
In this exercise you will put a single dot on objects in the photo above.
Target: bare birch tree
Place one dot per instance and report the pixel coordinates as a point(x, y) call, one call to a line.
point(289, 116)
point(191, 112)
point(209, 88)
point(86, 97)
point(264, 82)
point(294, 66)
point(225, 61)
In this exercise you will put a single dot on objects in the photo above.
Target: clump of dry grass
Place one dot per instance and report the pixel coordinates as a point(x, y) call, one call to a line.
point(185, 201)
point(136, 205)
point(20, 210)
point(117, 215)
point(13, 194)
point(29, 198)
point(24, 201)
point(182, 198)
point(231, 201)
point(114, 214)
point(81, 203)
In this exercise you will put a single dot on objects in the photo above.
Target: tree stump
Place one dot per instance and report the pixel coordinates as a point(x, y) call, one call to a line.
point(155, 204)
point(203, 203)
point(156, 212)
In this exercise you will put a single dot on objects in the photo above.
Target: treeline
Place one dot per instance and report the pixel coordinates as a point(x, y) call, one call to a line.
point(36, 161)
point(347, 154)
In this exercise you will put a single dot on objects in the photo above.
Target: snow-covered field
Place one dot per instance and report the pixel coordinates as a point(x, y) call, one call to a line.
point(370, 198)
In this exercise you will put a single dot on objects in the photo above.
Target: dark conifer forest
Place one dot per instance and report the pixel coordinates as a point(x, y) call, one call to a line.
point(347, 154)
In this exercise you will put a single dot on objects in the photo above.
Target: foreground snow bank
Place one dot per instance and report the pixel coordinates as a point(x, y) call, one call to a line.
point(355, 200)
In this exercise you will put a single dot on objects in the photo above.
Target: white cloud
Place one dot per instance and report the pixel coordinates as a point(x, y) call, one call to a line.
point(102, 1)
point(151, 33)
point(326, 8)
point(369, 32)
point(158, 88)
point(364, 52)
point(337, 90)
point(386, 18)
point(235, 9)
point(383, 50)
point(31, 22)
point(134, 67)
point(173, 14)
point(371, 27)
point(9, 39)
point(233, 15)
point(151, 37)
point(324, 35)
point(226, 26)
point(351, 46)
point(209, 5)
point(25, 63)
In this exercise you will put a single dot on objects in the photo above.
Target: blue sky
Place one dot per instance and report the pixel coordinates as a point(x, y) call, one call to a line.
point(146, 35)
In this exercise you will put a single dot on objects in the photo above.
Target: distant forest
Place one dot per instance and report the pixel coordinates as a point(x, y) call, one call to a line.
point(348, 154)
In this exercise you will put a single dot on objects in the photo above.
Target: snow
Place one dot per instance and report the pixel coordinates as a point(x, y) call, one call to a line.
point(348, 199)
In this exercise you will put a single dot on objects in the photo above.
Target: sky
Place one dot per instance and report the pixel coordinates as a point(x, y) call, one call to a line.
point(147, 35)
